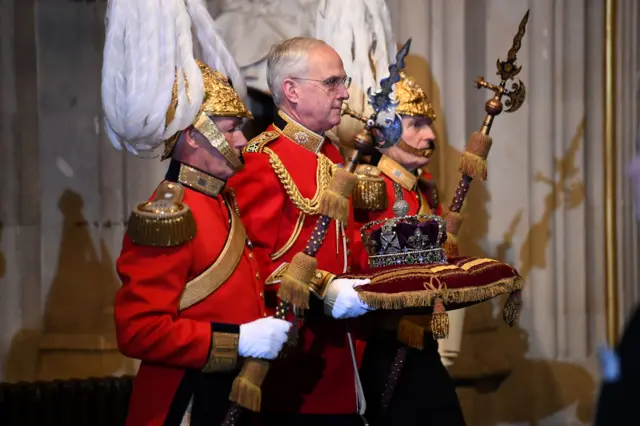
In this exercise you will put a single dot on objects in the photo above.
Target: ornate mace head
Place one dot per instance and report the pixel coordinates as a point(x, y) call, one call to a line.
point(507, 70)
point(383, 128)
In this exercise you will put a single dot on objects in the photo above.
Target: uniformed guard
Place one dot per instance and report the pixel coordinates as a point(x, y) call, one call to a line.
point(290, 170)
point(191, 305)
point(401, 186)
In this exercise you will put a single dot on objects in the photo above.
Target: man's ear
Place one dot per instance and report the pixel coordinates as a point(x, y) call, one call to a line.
point(190, 136)
point(290, 90)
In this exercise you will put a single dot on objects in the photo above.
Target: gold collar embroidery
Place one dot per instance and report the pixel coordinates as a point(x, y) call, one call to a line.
point(397, 173)
point(200, 181)
point(298, 133)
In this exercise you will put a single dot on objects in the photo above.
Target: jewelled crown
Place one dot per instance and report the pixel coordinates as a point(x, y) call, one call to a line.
point(405, 240)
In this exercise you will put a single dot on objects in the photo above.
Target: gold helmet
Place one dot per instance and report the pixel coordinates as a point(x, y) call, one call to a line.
point(412, 100)
point(220, 100)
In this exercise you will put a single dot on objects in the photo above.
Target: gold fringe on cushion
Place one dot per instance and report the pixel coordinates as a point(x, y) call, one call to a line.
point(427, 297)
point(245, 390)
point(294, 285)
point(473, 161)
point(335, 199)
point(439, 321)
point(512, 307)
point(410, 334)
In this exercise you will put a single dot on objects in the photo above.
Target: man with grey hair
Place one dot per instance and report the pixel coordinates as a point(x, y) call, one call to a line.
point(287, 171)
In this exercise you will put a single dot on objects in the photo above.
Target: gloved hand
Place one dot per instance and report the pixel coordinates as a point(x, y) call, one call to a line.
point(342, 301)
point(263, 338)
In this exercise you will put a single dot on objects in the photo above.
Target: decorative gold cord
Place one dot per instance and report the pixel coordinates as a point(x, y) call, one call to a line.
point(324, 171)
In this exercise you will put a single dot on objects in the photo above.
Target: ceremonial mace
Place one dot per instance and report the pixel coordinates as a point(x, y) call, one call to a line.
point(473, 163)
point(382, 130)
point(472, 166)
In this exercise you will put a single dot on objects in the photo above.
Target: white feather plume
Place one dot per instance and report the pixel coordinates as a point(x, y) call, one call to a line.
point(148, 43)
point(214, 49)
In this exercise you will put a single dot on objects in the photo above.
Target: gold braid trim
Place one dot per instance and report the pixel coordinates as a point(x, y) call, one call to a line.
point(223, 354)
point(324, 171)
point(292, 239)
point(216, 275)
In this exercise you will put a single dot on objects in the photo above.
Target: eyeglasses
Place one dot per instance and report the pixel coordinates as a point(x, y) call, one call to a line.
point(332, 84)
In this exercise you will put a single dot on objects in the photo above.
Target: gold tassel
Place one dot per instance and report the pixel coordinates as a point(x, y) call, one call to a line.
point(452, 221)
point(245, 390)
point(335, 199)
point(410, 333)
point(451, 245)
point(294, 285)
point(472, 165)
point(512, 307)
point(439, 321)
point(473, 162)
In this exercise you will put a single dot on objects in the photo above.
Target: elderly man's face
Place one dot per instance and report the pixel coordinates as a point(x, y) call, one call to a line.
point(322, 91)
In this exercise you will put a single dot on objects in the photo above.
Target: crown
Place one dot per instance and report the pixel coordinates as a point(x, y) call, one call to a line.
point(406, 240)
point(412, 100)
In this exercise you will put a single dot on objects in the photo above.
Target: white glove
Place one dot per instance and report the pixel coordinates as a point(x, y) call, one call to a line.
point(342, 301)
point(263, 338)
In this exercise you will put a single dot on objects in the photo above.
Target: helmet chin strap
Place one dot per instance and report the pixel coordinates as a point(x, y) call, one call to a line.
point(207, 128)
point(426, 152)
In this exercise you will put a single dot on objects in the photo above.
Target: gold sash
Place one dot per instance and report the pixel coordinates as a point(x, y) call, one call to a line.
point(217, 274)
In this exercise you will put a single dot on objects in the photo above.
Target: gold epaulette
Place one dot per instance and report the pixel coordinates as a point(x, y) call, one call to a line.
point(258, 143)
point(164, 221)
point(370, 192)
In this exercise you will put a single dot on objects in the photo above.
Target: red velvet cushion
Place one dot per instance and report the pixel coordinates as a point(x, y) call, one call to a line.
point(461, 282)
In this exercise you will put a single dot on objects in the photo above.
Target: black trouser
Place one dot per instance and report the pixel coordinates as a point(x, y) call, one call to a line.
point(311, 420)
point(211, 400)
point(424, 395)
point(617, 403)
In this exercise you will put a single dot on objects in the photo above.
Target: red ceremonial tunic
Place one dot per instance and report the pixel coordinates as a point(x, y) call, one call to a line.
point(317, 377)
point(175, 345)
